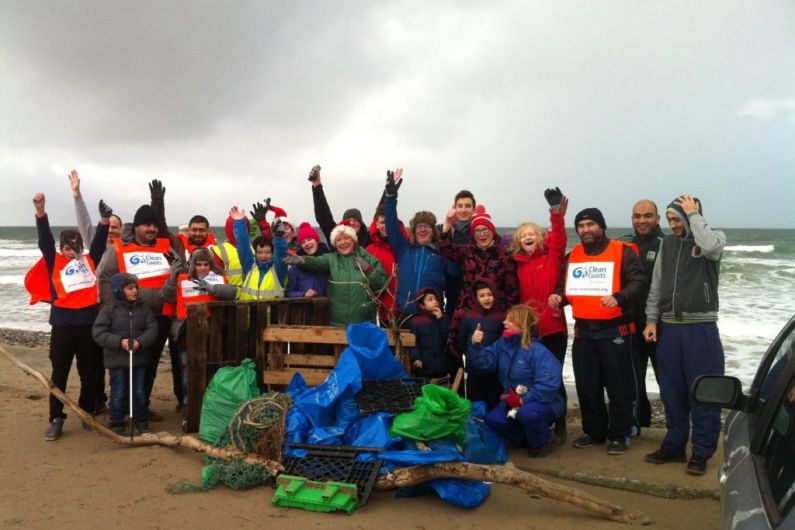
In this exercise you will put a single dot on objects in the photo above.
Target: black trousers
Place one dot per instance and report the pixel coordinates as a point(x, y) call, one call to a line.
point(484, 388)
point(599, 365)
point(66, 343)
point(176, 371)
point(154, 352)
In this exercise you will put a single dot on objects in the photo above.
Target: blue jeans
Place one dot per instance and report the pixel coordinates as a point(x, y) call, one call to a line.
point(119, 391)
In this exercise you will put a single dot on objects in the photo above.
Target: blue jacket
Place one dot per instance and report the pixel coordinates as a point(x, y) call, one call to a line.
point(248, 258)
point(535, 367)
point(491, 325)
point(431, 335)
point(418, 265)
point(300, 281)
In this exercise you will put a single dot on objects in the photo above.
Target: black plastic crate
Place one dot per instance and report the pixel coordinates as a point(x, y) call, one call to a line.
point(388, 395)
point(338, 464)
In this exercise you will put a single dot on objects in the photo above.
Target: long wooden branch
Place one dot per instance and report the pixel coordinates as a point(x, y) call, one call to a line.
point(505, 474)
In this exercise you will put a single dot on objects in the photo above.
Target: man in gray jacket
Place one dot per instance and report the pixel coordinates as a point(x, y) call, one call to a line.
point(684, 297)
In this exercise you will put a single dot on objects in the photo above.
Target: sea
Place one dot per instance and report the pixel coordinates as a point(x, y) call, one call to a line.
point(757, 291)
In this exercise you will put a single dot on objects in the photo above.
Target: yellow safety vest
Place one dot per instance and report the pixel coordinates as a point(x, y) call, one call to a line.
point(269, 289)
point(232, 267)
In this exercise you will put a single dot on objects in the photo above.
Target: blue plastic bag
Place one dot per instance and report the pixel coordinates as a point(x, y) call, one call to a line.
point(483, 444)
point(458, 492)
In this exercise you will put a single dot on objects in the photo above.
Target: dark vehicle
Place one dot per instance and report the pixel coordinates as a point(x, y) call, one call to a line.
point(758, 472)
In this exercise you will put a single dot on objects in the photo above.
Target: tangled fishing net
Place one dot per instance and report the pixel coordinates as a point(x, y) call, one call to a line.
point(257, 427)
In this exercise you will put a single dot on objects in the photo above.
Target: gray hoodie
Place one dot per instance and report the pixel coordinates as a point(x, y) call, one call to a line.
point(684, 285)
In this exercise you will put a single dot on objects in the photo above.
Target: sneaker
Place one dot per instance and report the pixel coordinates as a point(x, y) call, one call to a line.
point(586, 441)
point(617, 447)
point(142, 427)
point(55, 430)
point(118, 428)
point(154, 416)
point(665, 456)
point(697, 465)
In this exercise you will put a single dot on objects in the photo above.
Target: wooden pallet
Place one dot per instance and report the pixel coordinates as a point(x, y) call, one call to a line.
point(313, 367)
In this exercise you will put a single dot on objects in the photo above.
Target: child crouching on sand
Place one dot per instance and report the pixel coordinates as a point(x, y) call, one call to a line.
point(126, 324)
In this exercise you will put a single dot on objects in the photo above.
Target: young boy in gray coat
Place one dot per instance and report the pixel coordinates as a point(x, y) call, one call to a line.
point(126, 324)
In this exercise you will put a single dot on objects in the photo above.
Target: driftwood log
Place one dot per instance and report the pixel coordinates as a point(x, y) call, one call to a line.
point(505, 474)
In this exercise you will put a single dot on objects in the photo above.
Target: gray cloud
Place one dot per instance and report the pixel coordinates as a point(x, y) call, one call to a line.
point(230, 102)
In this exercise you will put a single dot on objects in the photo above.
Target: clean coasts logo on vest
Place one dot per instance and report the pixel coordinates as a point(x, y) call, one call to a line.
point(590, 279)
point(145, 264)
point(77, 275)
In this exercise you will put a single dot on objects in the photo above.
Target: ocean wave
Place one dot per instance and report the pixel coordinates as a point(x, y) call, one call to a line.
point(20, 252)
point(12, 279)
point(750, 248)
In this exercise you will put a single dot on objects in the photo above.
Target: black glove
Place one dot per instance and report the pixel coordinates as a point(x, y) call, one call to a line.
point(553, 197)
point(202, 284)
point(105, 211)
point(293, 260)
point(391, 188)
point(156, 190)
point(277, 228)
point(314, 174)
point(261, 210)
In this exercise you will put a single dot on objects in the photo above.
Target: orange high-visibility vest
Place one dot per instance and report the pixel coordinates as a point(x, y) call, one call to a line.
point(590, 278)
point(149, 264)
point(188, 292)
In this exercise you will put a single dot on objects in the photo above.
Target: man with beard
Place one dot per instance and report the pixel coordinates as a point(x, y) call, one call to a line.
point(199, 235)
point(603, 282)
point(148, 257)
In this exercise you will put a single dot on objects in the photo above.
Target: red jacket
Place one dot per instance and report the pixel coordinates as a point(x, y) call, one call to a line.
point(383, 252)
point(539, 274)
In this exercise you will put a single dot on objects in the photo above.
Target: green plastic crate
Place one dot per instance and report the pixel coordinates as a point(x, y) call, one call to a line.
point(299, 492)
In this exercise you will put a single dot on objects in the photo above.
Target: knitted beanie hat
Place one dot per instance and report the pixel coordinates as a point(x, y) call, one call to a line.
point(481, 218)
point(344, 227)
point(305, 231)
point(590, 214)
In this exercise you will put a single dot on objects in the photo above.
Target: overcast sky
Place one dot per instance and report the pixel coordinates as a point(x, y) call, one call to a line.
point(231, 102)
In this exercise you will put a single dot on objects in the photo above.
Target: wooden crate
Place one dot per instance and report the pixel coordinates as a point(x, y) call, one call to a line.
point(224, 333)
point(314, 368)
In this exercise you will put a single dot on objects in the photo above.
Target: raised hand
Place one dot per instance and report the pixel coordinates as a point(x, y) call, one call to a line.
point(38, 203)
point(237, 213)
point(260, 210)
point(74, 183)
point(393, 181)
point(553, 197)
point(314, 176)
point(105, 211)
point(278, 229)
point(156, 190)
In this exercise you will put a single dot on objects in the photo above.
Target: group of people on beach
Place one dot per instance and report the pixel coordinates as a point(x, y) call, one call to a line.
point(492, 305)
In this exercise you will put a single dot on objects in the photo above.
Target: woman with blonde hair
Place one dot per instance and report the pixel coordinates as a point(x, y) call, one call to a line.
point(539, 258)
point(530, 377)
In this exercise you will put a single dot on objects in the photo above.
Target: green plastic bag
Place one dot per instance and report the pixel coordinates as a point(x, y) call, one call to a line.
point(230, 387)
point(438, 413)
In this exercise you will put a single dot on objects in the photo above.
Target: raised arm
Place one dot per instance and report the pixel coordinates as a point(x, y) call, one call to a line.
point(322, 210)
point(84, 224)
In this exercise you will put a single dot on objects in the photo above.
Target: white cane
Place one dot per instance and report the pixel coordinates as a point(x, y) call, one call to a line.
point(130, 348)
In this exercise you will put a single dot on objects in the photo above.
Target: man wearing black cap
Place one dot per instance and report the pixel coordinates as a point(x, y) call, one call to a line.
point(604, 283)
point(148, 257)
point(684, 298)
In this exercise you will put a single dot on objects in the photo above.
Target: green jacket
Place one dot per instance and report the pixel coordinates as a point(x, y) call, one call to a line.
point(350, 302)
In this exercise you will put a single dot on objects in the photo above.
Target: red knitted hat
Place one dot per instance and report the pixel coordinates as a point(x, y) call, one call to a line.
point(482, 219)
point(305, 231)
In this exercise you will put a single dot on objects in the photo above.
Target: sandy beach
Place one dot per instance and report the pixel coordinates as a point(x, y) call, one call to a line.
point(83, 479)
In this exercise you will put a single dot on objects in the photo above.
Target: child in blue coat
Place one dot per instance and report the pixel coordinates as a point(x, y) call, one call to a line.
point(430, 326)
point(530, 377)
